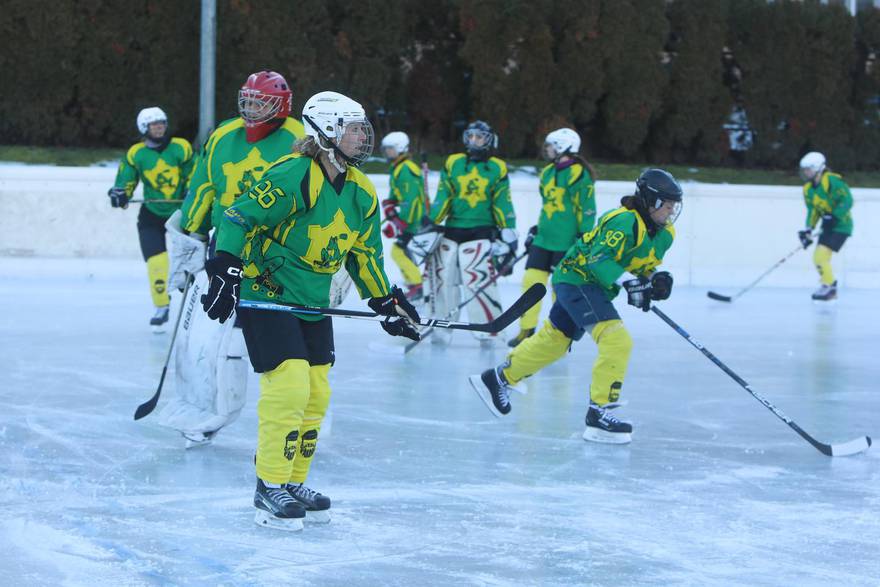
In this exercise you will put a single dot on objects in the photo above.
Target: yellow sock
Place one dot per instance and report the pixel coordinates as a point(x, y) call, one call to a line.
point(157, 270)
point(529, 320)
point(615, 346)
point(536, 352)
point(319, 399)
point(411, 273)
point(284, 395)
point(822, 259)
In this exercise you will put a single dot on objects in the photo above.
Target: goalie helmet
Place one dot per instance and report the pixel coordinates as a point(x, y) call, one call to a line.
point(479, 139)
point(340, 127)
point(263, 97)
point(148, 116)
point(562, 141)
point(654, 187)
point(812, 165)
point(398, 141)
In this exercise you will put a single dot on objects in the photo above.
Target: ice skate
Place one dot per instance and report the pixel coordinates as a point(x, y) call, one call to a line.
point(523, 334)
point(198, 439)
point(826, 293)
point(276, 508)
point(159, 319)
point(603, 426)
point(316, 505)
point(493, 390)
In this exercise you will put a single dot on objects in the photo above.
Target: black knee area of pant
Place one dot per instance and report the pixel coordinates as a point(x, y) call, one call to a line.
point(274, 337)
point(151, 233)
point(309, 443)
point(542, 259)
point(833, 240)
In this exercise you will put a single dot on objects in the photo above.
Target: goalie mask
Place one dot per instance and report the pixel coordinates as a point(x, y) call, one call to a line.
point(659, 195)
point(479, 139)
point(340, 127)
point(264, 97)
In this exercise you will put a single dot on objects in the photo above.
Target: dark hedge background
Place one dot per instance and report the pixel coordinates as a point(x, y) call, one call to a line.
point(640, 79)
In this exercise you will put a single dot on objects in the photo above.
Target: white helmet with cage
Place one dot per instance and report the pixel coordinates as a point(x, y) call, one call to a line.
point(562, 141)
point(812, 165)
point(148, 116)
point(398, 141)
point(340, 127)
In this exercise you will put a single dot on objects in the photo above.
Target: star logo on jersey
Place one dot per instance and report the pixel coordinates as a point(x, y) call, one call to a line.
point(329, 244)
point(472, 187)
point(163, 177)
point(553, 200)
point(241, 176)
point(644, 265)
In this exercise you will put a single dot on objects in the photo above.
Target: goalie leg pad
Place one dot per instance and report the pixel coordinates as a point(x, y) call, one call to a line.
point(475, 265)
point(445, 295)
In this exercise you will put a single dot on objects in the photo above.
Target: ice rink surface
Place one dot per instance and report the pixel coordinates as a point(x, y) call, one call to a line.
point(428, 487)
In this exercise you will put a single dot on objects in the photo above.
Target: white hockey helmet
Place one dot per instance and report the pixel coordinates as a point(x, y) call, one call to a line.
point(399, 141)
point(562, 141)
point(339, 126)
point(147, 116)
point(812, 165)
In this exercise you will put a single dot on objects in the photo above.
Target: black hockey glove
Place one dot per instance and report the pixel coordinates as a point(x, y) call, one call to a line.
point(118, 198)
point(661, 285)
point(828, 223)
point(804, 237)
point(395, 305)
point(224, 273)
point(638, 292)
point(533, 232)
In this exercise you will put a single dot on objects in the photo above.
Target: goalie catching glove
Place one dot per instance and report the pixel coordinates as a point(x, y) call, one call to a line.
point(395, 305)
point(224, 273)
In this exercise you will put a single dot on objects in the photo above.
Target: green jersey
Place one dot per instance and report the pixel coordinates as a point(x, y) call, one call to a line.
point(620, 242)
point(473, 194)
point(407, 192)
point(569, 206)
point(164, 173)
point(229, 166)
point(295, 229)
point(831, 196)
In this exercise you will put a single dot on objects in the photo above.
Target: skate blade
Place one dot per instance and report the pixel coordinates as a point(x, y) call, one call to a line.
point(318, 516)
point(483, 392)
point(189, 443)
point(267, 520)
point(595, 435)
point(159, 329)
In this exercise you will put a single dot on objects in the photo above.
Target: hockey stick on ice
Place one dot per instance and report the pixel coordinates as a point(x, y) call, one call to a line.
point(721, 298)
point(508, 317)
point(427, 332)
point(832, 450)
point(146, 408)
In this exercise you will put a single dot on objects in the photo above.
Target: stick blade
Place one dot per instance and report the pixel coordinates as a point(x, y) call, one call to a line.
point(719, 297)
point(146, 408)
point(853, 447)
point(532, 296)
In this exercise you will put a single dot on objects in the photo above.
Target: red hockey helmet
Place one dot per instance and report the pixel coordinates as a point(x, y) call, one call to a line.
point(264, 96)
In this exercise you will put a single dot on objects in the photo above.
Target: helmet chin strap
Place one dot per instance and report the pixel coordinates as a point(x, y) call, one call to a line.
point(332, 150)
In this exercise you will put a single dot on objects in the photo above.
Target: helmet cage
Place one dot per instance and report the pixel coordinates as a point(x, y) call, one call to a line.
point(362, 150)
point(256, 107)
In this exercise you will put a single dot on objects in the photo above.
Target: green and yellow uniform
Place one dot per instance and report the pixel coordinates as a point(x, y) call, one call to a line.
point(585, 283)
point(407, 194)
point(568, 210)
point(229, 166)
point(293, 231)
point(829, 201)
point(164, 172)
point(473, 194)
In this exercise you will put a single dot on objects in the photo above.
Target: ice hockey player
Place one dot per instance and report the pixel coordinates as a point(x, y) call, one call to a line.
point(210, 359)
point(163, 163)
point(310, 214)
point(403, 208)
point(828, 199)
point(479, 236)
point(568, 212)
point(631, 239)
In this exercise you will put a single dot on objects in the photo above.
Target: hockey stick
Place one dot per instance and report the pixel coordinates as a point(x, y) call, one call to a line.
point(154, 202)
point(410, 346)
point(508, 317)
point(832, 450)
point(148, 406)
point(721, 298)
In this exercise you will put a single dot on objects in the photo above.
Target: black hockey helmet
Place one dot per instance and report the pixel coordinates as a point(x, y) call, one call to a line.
point(656, 186)
point(479, 139)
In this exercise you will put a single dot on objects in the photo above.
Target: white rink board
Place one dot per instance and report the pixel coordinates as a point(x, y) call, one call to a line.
point(727, 234)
